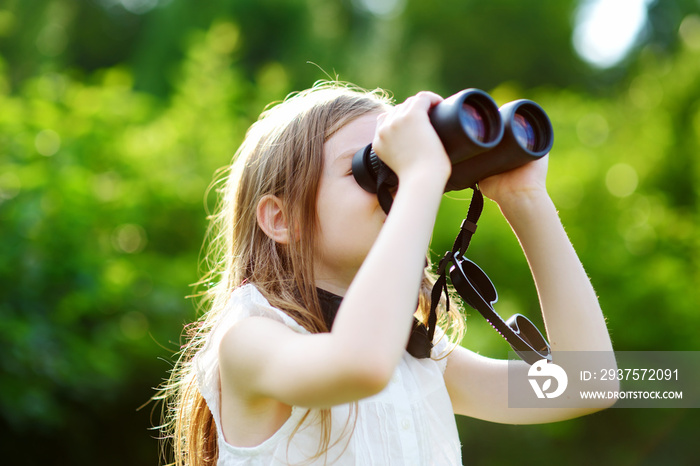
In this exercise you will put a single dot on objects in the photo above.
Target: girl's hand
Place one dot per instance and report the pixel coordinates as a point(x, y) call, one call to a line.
point(516, 184)
point(407, 142)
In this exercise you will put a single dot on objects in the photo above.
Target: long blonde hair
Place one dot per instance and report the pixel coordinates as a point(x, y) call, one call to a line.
point(281, 155)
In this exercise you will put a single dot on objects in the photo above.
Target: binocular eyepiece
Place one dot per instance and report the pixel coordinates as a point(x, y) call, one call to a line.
point(480, 139)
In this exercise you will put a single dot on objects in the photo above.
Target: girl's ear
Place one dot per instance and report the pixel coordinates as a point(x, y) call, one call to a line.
point(271, 219)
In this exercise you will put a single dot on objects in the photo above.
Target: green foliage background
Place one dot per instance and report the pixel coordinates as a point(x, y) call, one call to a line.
point(113, 121)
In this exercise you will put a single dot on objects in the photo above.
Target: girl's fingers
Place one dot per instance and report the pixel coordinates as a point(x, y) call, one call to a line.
point(421, 102)
point(405, 139)
point(431, 97)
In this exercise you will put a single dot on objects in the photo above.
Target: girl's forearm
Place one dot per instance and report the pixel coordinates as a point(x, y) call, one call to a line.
point(570, 307)
point(377, 310)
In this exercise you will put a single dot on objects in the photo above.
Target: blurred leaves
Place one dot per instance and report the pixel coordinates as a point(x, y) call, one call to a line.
point(115, 114)
point(102, 191)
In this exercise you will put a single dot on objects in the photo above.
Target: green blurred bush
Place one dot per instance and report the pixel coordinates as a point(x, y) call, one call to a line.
point(102, 213)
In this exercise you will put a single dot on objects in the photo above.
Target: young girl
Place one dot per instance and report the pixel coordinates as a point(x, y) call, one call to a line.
point(301, 356)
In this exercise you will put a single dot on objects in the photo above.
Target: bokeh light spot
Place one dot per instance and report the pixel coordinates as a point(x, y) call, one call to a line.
point(621, 180)
point(47, 142)
point(129, 238)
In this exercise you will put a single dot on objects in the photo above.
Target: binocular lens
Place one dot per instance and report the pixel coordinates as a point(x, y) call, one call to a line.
point(472, 122)
point(524, 132)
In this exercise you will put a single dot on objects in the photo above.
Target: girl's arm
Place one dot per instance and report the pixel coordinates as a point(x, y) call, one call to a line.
point(262, 359)
point(572, 315)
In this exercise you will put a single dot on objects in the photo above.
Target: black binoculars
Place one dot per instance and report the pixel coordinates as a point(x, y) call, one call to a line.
point(480, 139)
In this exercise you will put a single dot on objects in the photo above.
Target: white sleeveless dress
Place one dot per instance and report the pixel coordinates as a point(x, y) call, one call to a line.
point(410, 422)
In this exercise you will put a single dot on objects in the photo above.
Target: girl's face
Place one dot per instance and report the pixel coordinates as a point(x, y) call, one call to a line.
point(349, 217)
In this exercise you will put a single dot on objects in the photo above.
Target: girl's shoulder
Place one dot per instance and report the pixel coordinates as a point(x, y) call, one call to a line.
point(244, 302)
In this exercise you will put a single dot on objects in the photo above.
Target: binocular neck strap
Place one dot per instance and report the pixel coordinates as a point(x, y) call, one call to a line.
point(519, 332)
point(466, 231)
point(468, 228)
